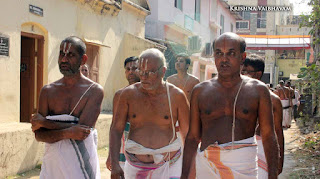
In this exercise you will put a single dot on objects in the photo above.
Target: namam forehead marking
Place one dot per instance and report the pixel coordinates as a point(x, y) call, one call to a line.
point(66, 48)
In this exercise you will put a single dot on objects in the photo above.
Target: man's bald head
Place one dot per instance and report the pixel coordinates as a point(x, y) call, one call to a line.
point(232, 36)
point(155, 54)
point(79, 45)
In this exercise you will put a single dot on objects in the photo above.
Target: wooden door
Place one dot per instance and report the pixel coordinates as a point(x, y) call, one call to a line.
point(31, 74)
point(93, 61)
point(27, 78)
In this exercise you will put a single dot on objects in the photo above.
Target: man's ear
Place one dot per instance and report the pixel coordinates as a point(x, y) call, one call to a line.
point(164, 69)
point(84, 59)
point(244, 55)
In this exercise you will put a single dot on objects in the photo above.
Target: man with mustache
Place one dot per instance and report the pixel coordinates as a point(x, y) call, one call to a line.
point(223, 117)
point(67, 114)
point(152, 107)
point(254, 67)
point(131, 72)
point(182, 79)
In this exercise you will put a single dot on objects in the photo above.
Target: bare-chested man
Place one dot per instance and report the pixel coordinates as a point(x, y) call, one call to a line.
point(71, 107)
point(182, 79)
point(131, 72)
point(84, 69)
point(254, 67)
point(224, 113)
point(152, 143)
point(286, 100)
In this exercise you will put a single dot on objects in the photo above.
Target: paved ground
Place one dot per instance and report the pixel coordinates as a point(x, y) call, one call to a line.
point(291, 136)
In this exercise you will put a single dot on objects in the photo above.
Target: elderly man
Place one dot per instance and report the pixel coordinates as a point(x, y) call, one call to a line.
point(131, 72)
point(254, 67)
point(152, 107)
point(286, 100)
point(71, 107)
point(224, 113)
point(182, 79)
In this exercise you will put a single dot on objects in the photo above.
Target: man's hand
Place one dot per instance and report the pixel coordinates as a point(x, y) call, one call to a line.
point(78, 132)
point(36, 121)
point(117, 172)
point(108, 162)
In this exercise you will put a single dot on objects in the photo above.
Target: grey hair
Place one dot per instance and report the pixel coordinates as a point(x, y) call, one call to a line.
point(155, 52)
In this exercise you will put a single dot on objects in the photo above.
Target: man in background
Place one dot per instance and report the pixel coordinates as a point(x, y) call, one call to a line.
point(183, 79)
point(254, 67)
point(131, 72)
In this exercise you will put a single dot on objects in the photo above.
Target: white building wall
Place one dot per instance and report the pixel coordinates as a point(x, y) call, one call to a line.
point(163, 12)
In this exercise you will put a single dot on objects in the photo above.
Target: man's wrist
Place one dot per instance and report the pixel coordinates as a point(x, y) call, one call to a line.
point(65, 134)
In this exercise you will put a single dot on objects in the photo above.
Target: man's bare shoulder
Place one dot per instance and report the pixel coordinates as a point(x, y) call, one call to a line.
point(208, 84)
point(174, 90)
point(194, 79)
point(172, 77)
point(254, 82)
point(130, 90)
point(97, 89)
point(275, 98)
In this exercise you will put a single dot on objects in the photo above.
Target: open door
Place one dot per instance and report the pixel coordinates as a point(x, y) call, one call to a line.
point(31, 74)
point(93, 62)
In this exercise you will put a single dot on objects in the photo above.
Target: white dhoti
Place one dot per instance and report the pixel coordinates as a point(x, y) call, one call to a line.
point(71, 159)
point(220, 161)
point(262, 162)
point(160, 169)
point(286, 122)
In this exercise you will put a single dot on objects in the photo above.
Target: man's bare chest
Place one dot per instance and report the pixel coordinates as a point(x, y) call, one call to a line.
point(65, 102)
point(221, 105)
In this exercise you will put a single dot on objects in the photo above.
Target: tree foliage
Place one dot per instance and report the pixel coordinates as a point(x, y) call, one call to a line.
point(313, 20)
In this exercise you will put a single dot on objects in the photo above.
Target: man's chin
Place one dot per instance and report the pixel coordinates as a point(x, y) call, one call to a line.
point(146, 87)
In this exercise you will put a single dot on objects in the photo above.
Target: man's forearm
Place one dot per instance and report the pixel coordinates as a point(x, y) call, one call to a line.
point(115, 144)
point(50, 136)
point(55, 125)
point(272, 155)
point(281, 146)
point(189, 156)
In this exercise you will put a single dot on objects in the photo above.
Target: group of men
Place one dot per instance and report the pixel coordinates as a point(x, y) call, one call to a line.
point(177, 128)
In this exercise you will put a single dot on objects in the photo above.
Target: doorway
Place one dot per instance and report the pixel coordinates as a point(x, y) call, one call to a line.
point(31, 74)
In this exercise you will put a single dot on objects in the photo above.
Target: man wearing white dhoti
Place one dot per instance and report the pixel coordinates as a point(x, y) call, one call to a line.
point(253, 67)
point(223, 117)
point(286, 100)
point(152, 107)
point(71, 107)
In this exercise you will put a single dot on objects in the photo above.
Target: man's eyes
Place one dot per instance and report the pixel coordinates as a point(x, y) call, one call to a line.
point(68, 54)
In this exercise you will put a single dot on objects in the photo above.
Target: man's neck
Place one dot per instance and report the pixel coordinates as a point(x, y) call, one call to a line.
point(157, 90)
point(229, 81)
point(71, 80)
point(182, 74)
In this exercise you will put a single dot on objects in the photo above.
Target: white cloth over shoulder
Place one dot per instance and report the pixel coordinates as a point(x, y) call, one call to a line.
point(71, 159)
point(220, 161)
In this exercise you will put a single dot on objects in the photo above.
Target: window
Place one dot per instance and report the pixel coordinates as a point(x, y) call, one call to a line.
point(178, 4)
point(262, 19)
point(245, 15)
point(221, 24)
point(242, 25)
point(231, 27)
point(197, 11)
